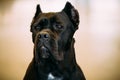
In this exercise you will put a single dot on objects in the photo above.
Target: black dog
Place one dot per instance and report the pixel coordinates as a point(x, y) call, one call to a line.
point(54, 55)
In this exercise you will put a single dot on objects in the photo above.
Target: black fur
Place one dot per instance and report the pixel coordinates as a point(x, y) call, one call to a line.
point(54, 55)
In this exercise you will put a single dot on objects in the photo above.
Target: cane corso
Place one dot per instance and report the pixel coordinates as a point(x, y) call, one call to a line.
point(54, 53)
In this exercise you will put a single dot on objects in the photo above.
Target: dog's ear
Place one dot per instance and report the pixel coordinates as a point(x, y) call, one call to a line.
point(38, 11)
point(72, 14)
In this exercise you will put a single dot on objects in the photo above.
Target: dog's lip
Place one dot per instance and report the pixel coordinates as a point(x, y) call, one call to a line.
point(44, 51)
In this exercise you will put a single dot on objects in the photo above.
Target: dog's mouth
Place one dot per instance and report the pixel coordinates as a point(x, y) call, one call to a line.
point(44, 52)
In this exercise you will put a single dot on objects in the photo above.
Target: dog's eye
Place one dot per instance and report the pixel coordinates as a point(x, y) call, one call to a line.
point(37, 27)
point(58, 26)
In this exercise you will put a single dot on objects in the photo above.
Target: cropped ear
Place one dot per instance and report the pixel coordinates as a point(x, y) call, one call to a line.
point(38, 11)
point(72, 14)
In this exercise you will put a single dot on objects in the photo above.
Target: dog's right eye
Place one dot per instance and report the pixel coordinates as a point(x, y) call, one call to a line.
point(37, 27)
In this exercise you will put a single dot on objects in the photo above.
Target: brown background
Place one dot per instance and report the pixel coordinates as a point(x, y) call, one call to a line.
point(97, 40)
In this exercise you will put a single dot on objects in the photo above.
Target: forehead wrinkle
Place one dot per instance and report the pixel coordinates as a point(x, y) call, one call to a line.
point(48, 15)
point(43, 15)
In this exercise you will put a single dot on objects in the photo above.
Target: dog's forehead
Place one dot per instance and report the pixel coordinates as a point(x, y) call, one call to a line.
point(59, 17)
point(48, 15)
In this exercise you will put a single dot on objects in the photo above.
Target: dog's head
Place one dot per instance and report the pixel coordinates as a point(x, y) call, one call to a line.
point(52, 33)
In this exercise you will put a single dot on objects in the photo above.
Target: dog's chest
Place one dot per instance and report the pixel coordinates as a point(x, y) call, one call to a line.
point(52, 77)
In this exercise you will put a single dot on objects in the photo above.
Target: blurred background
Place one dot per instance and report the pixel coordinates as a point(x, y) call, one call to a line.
point(97, 40)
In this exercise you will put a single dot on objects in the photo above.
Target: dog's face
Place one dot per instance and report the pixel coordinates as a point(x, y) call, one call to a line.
point(52, 33)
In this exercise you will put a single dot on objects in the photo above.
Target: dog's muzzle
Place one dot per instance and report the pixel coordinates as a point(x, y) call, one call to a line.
point(42, 43)
point(46, 46)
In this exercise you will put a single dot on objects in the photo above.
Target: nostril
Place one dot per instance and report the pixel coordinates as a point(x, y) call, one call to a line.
point(43, 36)
point(46, 36)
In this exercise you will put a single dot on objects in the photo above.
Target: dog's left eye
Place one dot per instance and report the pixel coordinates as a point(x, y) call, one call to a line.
point(58, 26)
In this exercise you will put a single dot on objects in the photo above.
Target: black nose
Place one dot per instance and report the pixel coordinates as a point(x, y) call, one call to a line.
point(44, 36)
